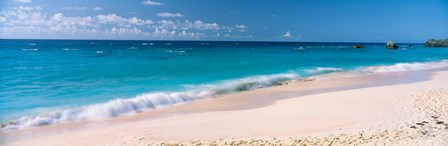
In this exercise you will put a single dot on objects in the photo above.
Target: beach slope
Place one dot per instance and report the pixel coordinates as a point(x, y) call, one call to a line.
point(379, 109)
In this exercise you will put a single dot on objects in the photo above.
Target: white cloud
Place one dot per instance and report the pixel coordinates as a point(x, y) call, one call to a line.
point(2, 19)
point(165, 33)
point(242, 27)
point(82, 8)
point(26, 8)
point(75, 8)
point(59, 19)
point(121, 21)
point(287, 35)
point(187, 25)
point(166, 14)
point(137, 21)
point(23, 1)
point(34, 22)
point(121, 30)
point(198, 24)
point(153, 3)
point(98, 8)
point(111, 18)
point(23, 16)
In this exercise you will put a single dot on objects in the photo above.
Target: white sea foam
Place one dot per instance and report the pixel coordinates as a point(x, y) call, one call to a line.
point(399, 67)
point(118, 107)
point(323, 70)
point(30, 49)
point(69, 49)
point(406, 67)
point(299, 48)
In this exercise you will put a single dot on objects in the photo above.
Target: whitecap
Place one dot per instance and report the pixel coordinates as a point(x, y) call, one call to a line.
point(35, 49)
point(300, 48)
point(68, 49)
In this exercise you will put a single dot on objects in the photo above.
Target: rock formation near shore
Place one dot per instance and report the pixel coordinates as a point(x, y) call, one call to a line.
point(391, 45)
point(436, 43)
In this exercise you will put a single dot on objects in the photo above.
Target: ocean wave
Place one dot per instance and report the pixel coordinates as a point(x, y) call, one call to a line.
point(35, 49)
point(323, 70)
point(407, 67)
point(69, 49)
point(143, 102)
point(398, 67)
point(132, 48)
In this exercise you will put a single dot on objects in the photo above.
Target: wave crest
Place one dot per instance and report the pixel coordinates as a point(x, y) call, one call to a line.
point(118, 107)
point(323, 70)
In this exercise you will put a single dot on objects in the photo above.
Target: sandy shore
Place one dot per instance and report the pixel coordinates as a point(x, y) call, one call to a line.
point(402, 108)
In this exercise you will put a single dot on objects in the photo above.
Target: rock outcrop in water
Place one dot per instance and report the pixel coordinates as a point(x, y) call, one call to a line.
point(358, 46)
point(391, 45)
point(436, 43)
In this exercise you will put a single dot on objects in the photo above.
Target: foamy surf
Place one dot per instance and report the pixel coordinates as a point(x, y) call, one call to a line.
point(148, 101)
point(323, 70)
point(143, 102)
point(399, 67)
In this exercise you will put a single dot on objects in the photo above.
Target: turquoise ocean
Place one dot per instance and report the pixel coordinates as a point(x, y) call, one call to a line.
point(51, 81)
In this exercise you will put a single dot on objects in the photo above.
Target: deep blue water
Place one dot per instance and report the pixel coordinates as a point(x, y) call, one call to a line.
point(62, 77)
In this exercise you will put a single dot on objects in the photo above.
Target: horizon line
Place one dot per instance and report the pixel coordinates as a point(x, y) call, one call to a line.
point(274, 41)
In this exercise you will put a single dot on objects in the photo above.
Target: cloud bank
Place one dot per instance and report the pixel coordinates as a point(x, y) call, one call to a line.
point(33, 22)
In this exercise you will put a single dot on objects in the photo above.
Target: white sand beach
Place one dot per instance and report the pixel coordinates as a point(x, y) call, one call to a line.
point(400, 108)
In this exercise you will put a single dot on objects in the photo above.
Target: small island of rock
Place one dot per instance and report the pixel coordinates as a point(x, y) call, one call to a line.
point(436, 43)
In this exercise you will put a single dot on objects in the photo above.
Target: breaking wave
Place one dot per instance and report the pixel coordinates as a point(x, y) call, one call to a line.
point(147, 101)
point(323, 70)
point(118, 107)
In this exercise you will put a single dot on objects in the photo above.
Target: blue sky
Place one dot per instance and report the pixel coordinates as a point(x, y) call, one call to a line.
point(267, 20)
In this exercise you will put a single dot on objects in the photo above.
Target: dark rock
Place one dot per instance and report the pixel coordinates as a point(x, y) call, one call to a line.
point(424, 122)
point(358, 46)
point(413, 127)
point(439, 122)
point(391, 45)
point(421, 124)
point(436, 43)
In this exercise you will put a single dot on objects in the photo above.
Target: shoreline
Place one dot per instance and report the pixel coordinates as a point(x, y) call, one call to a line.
point(156, 100)
point(237, 103)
